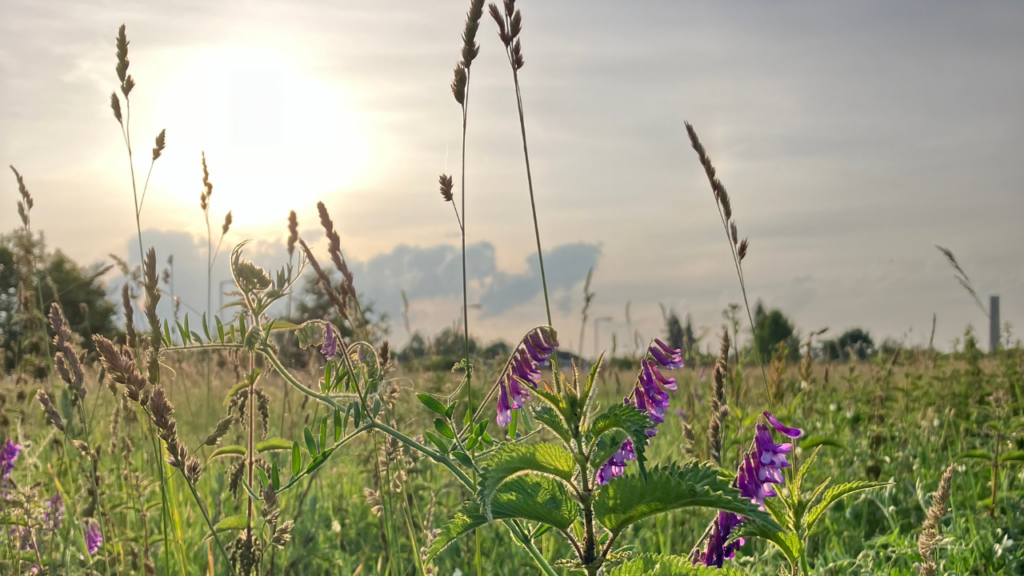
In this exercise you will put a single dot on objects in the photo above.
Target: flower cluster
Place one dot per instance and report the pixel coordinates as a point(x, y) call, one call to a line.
point(760, 468)
point(8, 456)
point(533, 352)
point(648, 395)
point(93, 538)
point(330, 346)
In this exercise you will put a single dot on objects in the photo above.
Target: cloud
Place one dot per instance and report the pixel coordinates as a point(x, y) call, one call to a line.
point(424, 273)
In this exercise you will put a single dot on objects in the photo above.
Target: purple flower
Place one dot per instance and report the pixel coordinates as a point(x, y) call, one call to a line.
point(782, 428)
point(8, 456)
point(330, 346)
point(93, 538)
point(648, 396)
point(761, 468)
point(535, 350)
point(616, 465)
point(670, 358)
point(54, 511)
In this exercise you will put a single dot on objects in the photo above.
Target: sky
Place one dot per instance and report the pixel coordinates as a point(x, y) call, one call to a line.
point(852, 137)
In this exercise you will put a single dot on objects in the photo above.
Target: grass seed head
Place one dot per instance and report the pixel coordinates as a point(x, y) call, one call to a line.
point(161, 142)
point(293, 232)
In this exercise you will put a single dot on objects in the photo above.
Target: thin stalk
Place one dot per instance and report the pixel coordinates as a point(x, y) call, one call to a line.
point(462, 228)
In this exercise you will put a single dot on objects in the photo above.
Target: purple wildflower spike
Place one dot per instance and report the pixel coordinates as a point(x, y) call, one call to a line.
point(616, 465)
point(8, 456)
point(670, 358)
point(504, 408)
point(54, 511)
point(93, 538)
point(533, 351)
point(782, 428)
point(760, 469)
point(666, 383)
point(330, 346)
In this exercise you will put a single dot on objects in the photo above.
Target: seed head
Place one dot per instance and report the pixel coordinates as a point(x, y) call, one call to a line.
point(160, 143)
point(227, 224)
point(122, 63)
point(293, 232)
point(446, 187)
point(742, 250)
point(115, 105)
point(459, 83)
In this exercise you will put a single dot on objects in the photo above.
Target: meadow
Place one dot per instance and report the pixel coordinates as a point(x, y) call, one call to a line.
point(285, 434)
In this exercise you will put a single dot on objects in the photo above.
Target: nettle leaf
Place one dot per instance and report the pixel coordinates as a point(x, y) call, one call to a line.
point(630, 420)
point(513, 459)
point(607, 445)
point(629, 499)
point(787, 542)
point(530, 497)
point(657, 565)
point(833, 495)
point(549, 417)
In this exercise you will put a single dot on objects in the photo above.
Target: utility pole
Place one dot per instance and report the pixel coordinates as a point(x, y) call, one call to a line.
point(993, 323)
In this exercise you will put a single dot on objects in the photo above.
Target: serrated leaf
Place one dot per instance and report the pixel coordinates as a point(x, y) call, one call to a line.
point(550, 417)
point(629, 499)
point(657, 565)
point(787, 542)
point(513, 459)
point(630, 420)
point(239, 522)
point(228, 451)
point(272, 444)
point(607, 445)
point(432, 404)
point(833, 495)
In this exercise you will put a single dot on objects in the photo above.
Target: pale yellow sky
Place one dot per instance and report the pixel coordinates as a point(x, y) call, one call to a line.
point(852, 138)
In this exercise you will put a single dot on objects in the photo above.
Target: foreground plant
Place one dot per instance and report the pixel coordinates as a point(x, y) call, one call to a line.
point(577, 486)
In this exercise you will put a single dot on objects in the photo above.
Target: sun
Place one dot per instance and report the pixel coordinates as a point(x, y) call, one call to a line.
point(275, 136)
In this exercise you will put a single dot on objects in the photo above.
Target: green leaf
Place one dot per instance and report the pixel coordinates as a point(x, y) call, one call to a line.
point(463, 458)
point(196, 338)
point(228, 451)
point(272, 444)
point(833, 495)
point(307, 434)
point(431, 403)
point(630, 420)
point(275, 476)
point(629, 499)
point(337, 425)
point(514, 425)
point(262, 477)
point(815, 441)
point(464, 522)
point(182, 332)
point(513, 459)
point(607, 445)
point(550, 417)
point(787, 542)
point(323, 434)
point(188, 331)
point(657, 565)
point(538, 499)
point(239, 522)
point(440, 444)
point(357, 414)
point(206, 329)
point(167, 334)
point(976, 455)
point(1015, 456)
point(450, 411)
point(220, 328)
point(443, 428)
point(281, 325)
point(296, 459)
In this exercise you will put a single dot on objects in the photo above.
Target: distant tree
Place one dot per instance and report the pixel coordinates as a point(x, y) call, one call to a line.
point(772, 327)
point(79, 291)
point(677, 334)
point(855, 341)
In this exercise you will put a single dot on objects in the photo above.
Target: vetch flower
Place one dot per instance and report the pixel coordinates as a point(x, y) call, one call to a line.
point(533, 351)
point(330, 345)
point(648, 396)
point(93, 538)
point(54, 511)
point(761, 467)
point(8, 456)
